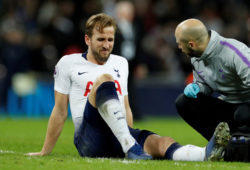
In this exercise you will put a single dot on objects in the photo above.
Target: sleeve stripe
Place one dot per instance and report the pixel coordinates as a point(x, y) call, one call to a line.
point(237, 51)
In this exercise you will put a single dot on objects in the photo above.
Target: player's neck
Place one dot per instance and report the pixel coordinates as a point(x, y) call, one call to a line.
point(90, 57)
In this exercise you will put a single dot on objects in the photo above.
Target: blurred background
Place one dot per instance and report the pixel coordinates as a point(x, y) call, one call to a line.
point(35, 34)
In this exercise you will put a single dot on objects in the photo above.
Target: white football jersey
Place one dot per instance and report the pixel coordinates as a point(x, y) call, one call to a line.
point(74, 75)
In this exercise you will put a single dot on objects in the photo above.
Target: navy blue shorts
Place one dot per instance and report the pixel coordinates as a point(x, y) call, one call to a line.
point(95, 139)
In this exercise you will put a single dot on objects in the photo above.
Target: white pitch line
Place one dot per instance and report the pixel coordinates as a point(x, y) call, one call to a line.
point(6, 151)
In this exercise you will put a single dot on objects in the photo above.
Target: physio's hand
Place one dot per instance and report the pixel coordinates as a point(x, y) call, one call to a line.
point(192, 90)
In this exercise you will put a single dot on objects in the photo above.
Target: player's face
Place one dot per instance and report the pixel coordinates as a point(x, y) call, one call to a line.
point(101, 44)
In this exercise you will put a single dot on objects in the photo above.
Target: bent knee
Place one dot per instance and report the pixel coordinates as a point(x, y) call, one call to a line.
point(100, 80)
point(180, 100)
point(242, 115)
point(103, 78)
point(184, 102)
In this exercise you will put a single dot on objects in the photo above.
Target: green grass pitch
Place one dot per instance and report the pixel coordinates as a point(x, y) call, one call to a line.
point(19, 136)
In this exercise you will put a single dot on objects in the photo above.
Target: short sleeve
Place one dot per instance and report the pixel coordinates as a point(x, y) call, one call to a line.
point(126, 73)
point(62, 79)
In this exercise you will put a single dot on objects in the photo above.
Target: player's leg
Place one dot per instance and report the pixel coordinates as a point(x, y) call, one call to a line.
point(104, 97)
point(205, 113)
point(168, 148)
point(93, 137)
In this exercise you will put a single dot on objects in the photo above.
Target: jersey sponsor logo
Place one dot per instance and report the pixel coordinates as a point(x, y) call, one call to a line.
point(88, 88)
point(90, 84)
point(118, 87)
point(80, 73)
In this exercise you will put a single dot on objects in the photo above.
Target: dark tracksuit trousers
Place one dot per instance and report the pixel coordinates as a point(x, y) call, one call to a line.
point(204, 113)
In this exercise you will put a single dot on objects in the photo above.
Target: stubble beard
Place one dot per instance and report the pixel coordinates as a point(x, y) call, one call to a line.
point(191, 53)
point(100, 59)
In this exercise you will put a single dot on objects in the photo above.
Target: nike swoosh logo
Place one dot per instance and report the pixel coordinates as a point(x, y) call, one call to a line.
point(80, 73)
point(116, 112)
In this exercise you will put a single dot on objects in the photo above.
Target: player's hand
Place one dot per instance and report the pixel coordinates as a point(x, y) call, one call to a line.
point(35, 154)
point(191, 90)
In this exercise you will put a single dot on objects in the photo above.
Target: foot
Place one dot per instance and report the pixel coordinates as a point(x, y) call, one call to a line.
point(215, 148)
point(136, 152)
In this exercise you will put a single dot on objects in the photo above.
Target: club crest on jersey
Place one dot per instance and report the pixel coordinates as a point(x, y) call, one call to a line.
point(221, 71)
point(117, 71)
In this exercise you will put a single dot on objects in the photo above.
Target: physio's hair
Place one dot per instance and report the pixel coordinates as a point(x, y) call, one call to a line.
point(99, 22)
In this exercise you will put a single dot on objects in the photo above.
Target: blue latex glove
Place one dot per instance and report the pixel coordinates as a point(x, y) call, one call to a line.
point(192, 90)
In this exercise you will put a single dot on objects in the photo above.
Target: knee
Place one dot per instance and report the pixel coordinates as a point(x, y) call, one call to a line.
point(181, 101)
point(103, 78)
point(242, 115)
point(99, 81)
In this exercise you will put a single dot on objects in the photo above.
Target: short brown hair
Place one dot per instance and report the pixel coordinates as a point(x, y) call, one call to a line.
point(99, 21)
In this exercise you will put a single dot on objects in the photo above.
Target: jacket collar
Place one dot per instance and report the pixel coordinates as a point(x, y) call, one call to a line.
point(211, 47)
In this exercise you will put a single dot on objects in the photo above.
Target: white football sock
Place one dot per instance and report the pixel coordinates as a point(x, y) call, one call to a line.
point(111, 112)
point(189, 153)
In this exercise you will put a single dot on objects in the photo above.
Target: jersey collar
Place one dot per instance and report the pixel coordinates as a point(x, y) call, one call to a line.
point(84, 55)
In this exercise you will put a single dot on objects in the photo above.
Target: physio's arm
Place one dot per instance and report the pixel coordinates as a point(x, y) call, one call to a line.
point(129, 114)
point(55, 125)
